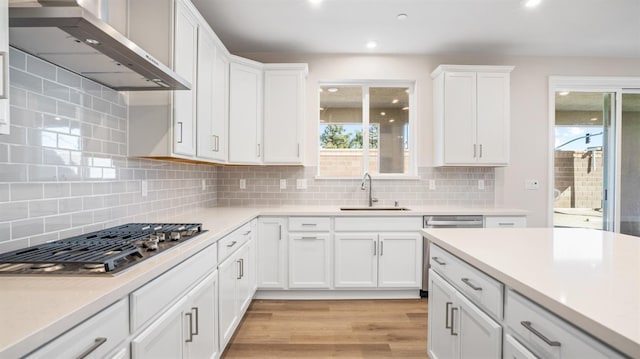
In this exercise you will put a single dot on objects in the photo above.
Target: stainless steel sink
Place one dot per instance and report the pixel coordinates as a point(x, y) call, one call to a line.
point(378, 208)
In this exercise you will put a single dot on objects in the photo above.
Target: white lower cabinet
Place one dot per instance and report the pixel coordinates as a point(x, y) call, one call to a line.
point(272, 252)
point(188, 329)
point(310, 260)
point(378, 260)
point(457, 327)
point(514, 350)
point(103, 333)
point(235, 292)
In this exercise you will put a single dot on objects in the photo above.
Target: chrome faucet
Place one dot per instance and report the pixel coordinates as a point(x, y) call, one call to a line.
point(362, 187)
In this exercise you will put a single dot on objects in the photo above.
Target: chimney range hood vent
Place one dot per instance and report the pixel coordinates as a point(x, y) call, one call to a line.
point(66, 34)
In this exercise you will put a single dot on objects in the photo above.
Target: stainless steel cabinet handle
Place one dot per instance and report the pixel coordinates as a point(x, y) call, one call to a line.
point(437, 260)
point(232, 244)
point(309, 224)
point(530, 328)
point(454, 223)
point(213, 143)
point(468, 282)
point(279, 232)
point(446, 315)
point(180, 140)
point(195, 309)
point(506, 224)
point(96, 343)
point(452, 320)
point(480, 151)
point(309, 237)
point(246, 233)
point(190, 327)
point(239, 269)
point(375, 247)
point(298, 150)
point(258, 147)
point(475, 153)
point(381, 248)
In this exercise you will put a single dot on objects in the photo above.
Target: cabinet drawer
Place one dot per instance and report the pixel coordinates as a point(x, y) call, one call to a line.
point(505, 222)
point(483, 290)
point(309, 224)
point(514, 350)
point(233, 241)
point(102, 333)
point(156, 295)
point(378, 224)
point(548, 336)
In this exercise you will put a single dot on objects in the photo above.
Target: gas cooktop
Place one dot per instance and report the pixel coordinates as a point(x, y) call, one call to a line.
point(107, 251)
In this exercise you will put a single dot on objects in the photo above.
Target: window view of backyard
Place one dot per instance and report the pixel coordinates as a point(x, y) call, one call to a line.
point(363, 128)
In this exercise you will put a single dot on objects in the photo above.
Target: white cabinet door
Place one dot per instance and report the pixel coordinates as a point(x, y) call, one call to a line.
point(309, 260)
point(164, 337)
point(185, 61)
point(244, 283)
point(441, 342)
point(284, 92)
point(479, 336)
point(245, 114)
point(356, 260)
point(493, 117)
point(400, 260)
point(202, 327)
point(229, 272)
point(272, 252)
point(459, 117)
point(206, 143)
point(220, 103)
point(4, 68)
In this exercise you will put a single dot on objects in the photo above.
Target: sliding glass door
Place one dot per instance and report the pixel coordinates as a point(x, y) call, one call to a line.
point(629, 203)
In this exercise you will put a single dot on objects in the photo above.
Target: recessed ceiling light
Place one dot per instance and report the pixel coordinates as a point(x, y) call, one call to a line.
point(402, 17)
point(383, 113)
point(372, 45)
point(332, 89)
point(92, 42)
point(392, 120)
point(395, 100)
point(563, 93)
point(594, 119)
point(531, 3)
point(405, 108)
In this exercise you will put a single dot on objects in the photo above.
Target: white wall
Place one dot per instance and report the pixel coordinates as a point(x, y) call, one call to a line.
point(529, 102)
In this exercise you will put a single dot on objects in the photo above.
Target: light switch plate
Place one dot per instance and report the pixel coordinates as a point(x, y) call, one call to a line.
point(283, 184)
point(144, 187)
point(532, 184)
point(243, 184)
point(480, 184)
point(204, 185)
point(301, 183)
point(432, 185)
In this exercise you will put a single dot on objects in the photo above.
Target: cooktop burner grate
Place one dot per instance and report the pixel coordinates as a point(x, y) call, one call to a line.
point(108, 247)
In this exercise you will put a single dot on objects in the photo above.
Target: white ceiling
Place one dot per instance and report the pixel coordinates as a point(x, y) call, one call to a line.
point(503, 27)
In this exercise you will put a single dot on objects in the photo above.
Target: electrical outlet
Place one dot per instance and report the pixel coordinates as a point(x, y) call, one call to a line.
point(204, 185)
point(243, 184)
point(301, 183)
point(532, 184)
point(144, 187)
point(432, 185)
point(283, 184)
point(480, 184)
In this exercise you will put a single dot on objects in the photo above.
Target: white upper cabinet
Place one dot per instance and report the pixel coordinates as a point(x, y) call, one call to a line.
point(163, 124)
point(245, 111)
point(471, 115)
point(212, 98)
point(4, 68)
point(284, 91)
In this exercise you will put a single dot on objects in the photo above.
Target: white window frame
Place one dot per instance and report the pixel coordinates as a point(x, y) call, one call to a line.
point(366, 85)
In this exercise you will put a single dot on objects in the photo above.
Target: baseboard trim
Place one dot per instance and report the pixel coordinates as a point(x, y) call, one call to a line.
point(336, 294)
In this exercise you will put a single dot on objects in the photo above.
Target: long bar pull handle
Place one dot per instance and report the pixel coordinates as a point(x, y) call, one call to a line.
point(381, 248)
point(375, 248)
point(309, 224)
point(309, 237)
point(453, 309)
point(481, 150)
point(530, 328)
point(96, 343)
point(195, 309)
point(213, 143)
point(446, 315)
point(246, 233)
point(468, 282)
point(258, 153)
point(298, 150)
point(232, 244)
point(506, 224)
point(437, 260)
point(239, 269)
point(279, 232)
point(475, 153)
point(180, 137)
point(190, 327)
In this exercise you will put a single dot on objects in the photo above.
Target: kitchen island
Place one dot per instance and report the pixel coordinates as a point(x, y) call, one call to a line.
point(588, 278)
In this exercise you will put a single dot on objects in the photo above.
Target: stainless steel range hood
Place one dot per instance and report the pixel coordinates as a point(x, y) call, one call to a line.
point(70, 36)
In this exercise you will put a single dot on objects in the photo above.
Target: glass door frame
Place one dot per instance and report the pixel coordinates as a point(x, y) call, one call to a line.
point(616, 85)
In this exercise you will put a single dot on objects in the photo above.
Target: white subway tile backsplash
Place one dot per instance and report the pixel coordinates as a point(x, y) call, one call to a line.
point(27, 227)
point(23, 80)
point(41, 103)
point(26, 191)
point(68, 78)
point(13, 172)
point(52, 89)
point(43, 208)
point(57, 223)
point(41, 68)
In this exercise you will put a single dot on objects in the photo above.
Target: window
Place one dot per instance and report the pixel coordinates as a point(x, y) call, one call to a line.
point(365, 127)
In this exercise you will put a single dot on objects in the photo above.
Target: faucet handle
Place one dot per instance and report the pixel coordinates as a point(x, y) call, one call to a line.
point(374, 200)
point(396, 204)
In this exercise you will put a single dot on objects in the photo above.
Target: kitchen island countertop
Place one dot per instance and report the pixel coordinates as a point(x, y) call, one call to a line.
point(590, 278)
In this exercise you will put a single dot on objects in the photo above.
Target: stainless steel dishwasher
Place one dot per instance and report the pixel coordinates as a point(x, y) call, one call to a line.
point(442, 222)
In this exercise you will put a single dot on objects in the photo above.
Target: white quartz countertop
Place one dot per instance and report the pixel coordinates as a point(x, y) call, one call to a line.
point(590, 278)
point(35, 309)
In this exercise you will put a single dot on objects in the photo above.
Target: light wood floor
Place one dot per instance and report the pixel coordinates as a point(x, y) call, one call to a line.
point(332, 329)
